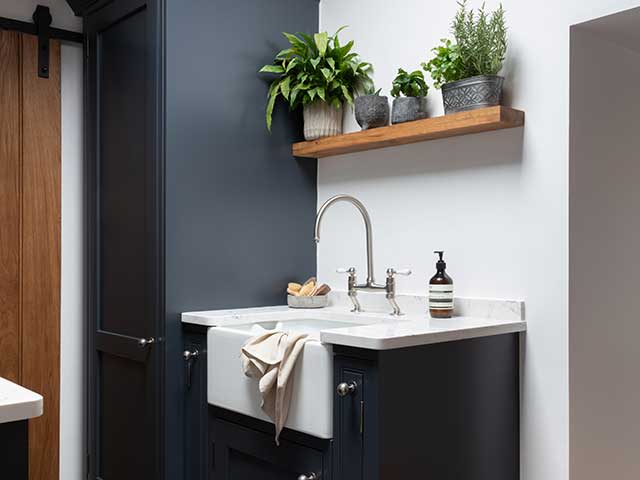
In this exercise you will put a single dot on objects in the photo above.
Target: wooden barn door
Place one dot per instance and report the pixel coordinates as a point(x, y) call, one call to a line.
point(30, 151)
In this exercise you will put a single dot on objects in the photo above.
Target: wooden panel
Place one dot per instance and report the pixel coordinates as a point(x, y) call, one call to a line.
point(463, 123)
point(41, 253)
point(10, 205)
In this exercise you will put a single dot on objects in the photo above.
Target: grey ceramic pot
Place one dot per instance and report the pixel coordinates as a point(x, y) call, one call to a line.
point(372, 111)
point(472, 93)
point(406, 109)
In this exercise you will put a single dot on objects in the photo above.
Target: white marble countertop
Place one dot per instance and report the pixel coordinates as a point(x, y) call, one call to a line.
point(380, 331)
point(17, 403)
point(424, 331)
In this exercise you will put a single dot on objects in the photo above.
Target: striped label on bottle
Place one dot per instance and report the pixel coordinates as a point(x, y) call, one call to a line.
point(441, 297)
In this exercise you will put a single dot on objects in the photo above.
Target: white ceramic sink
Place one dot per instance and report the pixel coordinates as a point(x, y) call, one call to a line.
point(312, 405)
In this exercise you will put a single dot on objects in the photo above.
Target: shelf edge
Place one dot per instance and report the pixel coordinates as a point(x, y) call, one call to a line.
point(445, 126)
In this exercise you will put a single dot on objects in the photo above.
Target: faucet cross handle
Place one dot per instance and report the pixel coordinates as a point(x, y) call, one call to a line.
point(352, 292)
point(391, 288)
point(403, 271)
point(351, 271)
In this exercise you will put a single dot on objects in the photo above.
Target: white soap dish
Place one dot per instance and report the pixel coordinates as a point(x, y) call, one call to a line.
point(308, 302)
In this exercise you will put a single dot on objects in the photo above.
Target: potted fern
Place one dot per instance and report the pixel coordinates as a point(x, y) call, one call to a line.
point(467, 71)
point(318, 74)
point(413, 105)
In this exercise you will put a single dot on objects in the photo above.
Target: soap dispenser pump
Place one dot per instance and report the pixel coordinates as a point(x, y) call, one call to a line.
point(441, 290)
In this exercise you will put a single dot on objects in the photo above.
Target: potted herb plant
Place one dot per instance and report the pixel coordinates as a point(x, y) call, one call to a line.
point(318, 74)
point(372, 110)
point(413, 105)
point(467, 70)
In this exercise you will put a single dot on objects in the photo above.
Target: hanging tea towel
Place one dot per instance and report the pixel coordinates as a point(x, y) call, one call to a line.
point(271, 358)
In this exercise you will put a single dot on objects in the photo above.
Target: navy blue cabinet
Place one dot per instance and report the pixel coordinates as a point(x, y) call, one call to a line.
point(446, 411)
point(187, 196)
point(245, 448)
point(442, 411)
point(242, 453)
point(352, 416)
point(197, 451)
point(14, 450)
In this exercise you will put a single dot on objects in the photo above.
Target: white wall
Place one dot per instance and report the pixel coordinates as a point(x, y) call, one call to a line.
point(496, 202)
point(72, 327)
point(72, 380)
point(604, 241)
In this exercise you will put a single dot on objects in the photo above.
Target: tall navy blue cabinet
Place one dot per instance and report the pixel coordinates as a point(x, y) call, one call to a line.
point(191, 205)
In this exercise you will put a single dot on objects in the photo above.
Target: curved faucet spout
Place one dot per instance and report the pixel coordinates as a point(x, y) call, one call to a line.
point(367, 225)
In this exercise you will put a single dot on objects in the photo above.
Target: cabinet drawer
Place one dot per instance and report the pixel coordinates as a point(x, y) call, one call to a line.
point(242, 453)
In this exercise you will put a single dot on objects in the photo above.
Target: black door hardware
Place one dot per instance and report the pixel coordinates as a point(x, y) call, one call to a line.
point(42, 28)
point(42, 18)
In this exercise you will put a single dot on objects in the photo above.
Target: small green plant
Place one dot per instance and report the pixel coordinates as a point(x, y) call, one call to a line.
point(371, 90)
point(446, 65)
point(481, 39)
point(409, 84)
point(480, 46)
point(316, 68)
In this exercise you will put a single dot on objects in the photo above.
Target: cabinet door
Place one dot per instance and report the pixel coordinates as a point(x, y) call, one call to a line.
point(349, 415)
point(125, 245)
point(196, 443)
point(242, 454)
point(355, 420)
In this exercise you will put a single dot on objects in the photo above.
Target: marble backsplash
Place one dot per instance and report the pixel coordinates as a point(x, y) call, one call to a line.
point(375, 302)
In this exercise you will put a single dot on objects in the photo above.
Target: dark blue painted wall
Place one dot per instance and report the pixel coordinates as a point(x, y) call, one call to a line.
point(239, 208)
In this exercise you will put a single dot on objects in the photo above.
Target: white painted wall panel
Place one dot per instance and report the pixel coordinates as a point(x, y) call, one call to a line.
point(604, 239)
point(72, 379)
point(496, 202)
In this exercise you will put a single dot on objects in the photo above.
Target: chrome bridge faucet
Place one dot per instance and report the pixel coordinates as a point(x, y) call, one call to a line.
point(370, 285)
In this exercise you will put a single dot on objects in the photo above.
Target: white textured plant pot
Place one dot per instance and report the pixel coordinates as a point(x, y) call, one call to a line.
point(321, 120)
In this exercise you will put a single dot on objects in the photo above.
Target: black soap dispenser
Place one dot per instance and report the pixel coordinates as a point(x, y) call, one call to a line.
point(441, 291)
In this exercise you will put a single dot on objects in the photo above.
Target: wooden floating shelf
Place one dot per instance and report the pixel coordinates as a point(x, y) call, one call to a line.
point(455, 124)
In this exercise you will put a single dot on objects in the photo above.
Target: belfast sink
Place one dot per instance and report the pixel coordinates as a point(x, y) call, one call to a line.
point(312, 405)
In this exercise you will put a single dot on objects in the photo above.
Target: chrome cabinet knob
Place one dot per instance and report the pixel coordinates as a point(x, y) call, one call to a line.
point(190, 354)
point(310, 476)
point(145, 342)
point(189, 357)
point(345, 389)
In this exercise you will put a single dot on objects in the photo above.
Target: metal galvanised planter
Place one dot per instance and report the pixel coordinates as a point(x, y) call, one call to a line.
point(472, 93)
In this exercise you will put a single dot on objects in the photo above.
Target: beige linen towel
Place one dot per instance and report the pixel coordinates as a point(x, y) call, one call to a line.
point(271, 358)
